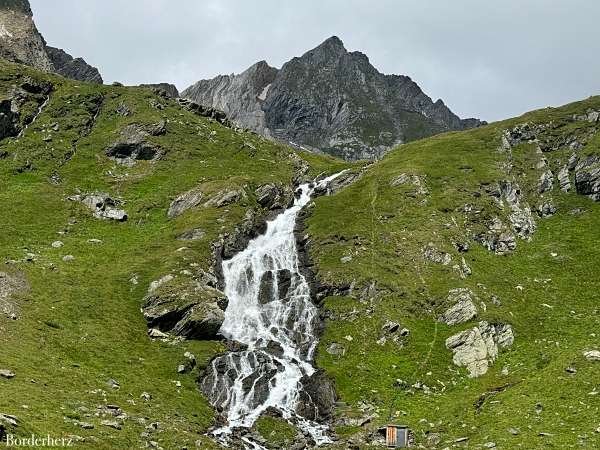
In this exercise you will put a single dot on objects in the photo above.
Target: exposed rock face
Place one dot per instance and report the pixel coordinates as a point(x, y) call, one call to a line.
point(74, 68)
point(199, 196)
point(477, 348)
point(166, 90)
point(188, 308)
point(330, 100)
point(134, 145)
point(587, 177)
point(21, 42)
point(462, 310)
point(317, 397)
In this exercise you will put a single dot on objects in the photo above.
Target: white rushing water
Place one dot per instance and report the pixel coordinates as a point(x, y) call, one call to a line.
point(277, 323)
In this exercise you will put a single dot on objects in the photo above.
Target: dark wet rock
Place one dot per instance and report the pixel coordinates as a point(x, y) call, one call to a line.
point(266, 292)
point(274, 348)
point(74, 68)
point(220, 376)
point(317, 397)
point(184, 307)
point(284, 281)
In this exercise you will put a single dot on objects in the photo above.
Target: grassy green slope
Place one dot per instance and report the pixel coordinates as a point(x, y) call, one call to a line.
point(548, 288)
point(80, 321)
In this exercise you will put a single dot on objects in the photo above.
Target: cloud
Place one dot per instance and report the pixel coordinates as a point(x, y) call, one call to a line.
point(489, 59)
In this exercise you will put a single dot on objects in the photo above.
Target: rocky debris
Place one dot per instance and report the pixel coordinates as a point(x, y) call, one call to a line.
point(113, 384)
point(587, 177)
point(546, 182)
point(431, 253)
point(103, 206)
point(133, 143)
point(185, 307)
point(199, 195)
point(166, 90)
point(415, 180)
point(8, 374)
point(111, 424)
point(592, 355)
point(74, 68)
point(57, 244)
point(206, 111)
point(192, 235)
point(313, 102)
point(68, 258)
point(546, 209)
point(462, 310)
point(146, 396)
point(123, 110)
point(498, 238)
point(477, 348)
point(335, 349)
point(390, 327)
point(189, 363)
point(11, 284)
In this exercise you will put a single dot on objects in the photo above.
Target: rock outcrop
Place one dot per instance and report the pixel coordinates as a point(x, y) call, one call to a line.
point(185, 307)
point(477, 348)
point(21, 42)
point(462, 308)
point(329, 100)
point(166, 90)
point(74, 68)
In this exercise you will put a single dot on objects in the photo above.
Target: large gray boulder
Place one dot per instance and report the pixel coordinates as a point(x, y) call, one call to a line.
point(477, 348)
point(184, 307)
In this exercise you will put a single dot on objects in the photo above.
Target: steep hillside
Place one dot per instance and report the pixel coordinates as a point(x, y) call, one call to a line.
point(329, 100)
point(460, 289)
point(103, 191)
point(21, 42)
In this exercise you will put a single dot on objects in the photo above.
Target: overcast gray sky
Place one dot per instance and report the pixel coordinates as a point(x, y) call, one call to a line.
point(490, 59)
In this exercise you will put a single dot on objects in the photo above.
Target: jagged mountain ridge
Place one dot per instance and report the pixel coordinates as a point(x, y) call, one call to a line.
point(21, 42)
point(329, 100)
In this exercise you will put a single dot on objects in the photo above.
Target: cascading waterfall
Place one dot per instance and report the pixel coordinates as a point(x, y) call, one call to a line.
point(270, 311)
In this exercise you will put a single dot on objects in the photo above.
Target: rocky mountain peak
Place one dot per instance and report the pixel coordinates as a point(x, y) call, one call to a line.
point(21, 42)
point(329, 100)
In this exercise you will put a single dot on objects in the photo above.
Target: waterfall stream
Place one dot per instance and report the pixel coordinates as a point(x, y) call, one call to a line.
point(270, 311)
